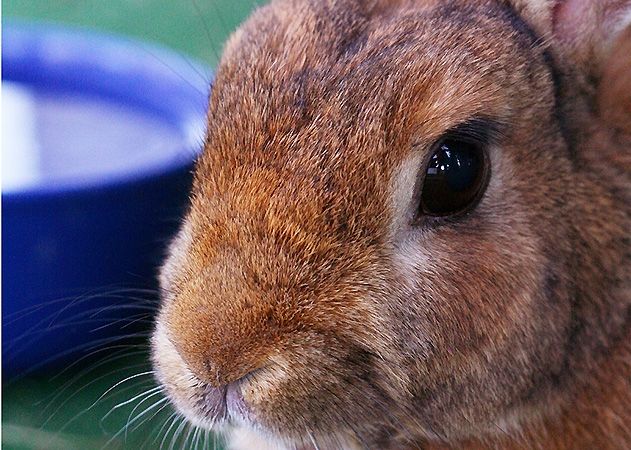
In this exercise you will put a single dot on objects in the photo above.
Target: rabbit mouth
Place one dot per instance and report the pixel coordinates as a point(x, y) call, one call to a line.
point(227, 409)
point(222, 406)
point(226, 404)
point(202, 404)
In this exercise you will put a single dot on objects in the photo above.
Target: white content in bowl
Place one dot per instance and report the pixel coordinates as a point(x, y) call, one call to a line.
point(20, 152)
point(58, 138)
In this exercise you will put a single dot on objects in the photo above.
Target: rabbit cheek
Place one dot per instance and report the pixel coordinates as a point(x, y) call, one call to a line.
point(317, 390)
point(485, 314)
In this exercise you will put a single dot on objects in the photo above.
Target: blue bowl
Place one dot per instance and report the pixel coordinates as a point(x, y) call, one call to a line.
point(98, 177)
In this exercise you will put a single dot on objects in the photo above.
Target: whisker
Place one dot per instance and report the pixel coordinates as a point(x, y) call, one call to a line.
point(195, 440)
point(141, 374)
point(78, 299)
point(206, 30)
point(166, 405)
point(190, 429)
point(222, 22)
point(207, 438)
point(39, 328)
point(163, 401)
point(121, 349)
point(131, 400)
point(96, 312)
point(177, 432)
point(86, 410)
point(176, 416)
point(118, 433)
point(79, 348)
point(126, 322)
point(176, 73)
point(215, 440)
point(75, 393)
point(40, 334)
point(313, 441)
point(157, 430)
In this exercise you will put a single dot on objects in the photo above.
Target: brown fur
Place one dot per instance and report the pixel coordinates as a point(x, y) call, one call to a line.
point(300, 276)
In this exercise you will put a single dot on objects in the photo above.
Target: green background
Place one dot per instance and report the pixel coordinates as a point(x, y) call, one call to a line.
point(62, 409)
point(194, 27)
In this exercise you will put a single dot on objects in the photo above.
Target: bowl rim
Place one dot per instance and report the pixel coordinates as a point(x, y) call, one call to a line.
point(189, 70)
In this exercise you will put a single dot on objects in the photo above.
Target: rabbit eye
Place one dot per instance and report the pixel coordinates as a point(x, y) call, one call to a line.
point(455, 178)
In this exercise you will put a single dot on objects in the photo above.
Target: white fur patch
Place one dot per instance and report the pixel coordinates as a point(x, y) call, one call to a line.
point(402, 192)
point(244, 439)
point(408, 251)
point(173, 374)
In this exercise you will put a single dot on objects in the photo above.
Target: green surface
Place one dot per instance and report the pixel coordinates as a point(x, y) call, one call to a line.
point(76, 409)
point(194, 27)
point(63, 409)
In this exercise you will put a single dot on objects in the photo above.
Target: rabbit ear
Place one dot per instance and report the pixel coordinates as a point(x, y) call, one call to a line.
point(586, 30)
point(593, 39)
point(538, 13)
point(614, 96)
point(582, 31)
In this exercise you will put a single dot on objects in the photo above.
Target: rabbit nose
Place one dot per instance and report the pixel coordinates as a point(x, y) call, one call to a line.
point(224, 373)
point(220, 348)
point(220, 365)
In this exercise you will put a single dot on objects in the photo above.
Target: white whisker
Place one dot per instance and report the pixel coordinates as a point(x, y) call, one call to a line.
point(162, 401)
point(127, 402)
point(149, 372)
point(177, 432)
point(175, 416)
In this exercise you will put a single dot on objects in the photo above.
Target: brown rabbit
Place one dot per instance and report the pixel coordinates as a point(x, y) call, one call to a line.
point(409, 228)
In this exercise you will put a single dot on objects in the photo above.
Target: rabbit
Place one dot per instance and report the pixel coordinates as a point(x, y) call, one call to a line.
point(409, 229)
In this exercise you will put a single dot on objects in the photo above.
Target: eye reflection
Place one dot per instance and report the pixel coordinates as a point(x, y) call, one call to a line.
point(454, 178)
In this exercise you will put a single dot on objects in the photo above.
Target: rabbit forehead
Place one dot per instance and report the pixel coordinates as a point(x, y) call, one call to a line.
point(304, 86)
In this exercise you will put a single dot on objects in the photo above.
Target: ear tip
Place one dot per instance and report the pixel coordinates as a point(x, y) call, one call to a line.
point(615, 86)
point(583, 31)
point(539, 13)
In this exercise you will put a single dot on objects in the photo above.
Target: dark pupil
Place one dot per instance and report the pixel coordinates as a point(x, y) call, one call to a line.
point(453, 179)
